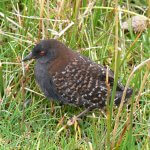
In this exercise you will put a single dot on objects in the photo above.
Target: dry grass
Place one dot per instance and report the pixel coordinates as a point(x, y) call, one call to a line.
point(27, 119)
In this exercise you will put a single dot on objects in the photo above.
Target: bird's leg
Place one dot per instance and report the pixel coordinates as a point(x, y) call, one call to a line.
point(75, 118)
point(83, 112)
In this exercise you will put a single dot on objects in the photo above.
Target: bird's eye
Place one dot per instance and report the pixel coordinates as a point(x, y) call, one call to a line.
point(42, 53)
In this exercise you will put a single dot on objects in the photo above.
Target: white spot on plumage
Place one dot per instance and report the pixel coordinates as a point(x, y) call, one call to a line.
point(63, 72)
point(74, 63)
point(90, 93)
point(99, 95)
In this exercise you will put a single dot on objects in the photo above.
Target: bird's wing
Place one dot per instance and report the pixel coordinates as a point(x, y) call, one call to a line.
point(110, 77)
point(103, 71)
point(79, 83)
point(82, 82)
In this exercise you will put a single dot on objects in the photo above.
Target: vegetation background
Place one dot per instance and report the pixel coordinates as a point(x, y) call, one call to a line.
point(93, 27)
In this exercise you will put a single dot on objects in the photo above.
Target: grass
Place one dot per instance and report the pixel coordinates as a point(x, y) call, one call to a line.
point(30, 121)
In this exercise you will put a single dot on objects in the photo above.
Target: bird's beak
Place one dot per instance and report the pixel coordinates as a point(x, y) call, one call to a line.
point(28, 57)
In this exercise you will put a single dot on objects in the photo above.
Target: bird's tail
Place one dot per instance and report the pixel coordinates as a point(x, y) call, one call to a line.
point(119, 95)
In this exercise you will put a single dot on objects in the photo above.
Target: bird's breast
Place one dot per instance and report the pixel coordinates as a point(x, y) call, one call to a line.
point(44, 80)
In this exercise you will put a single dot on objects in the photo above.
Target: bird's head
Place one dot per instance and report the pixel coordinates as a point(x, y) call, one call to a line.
point(45, 51)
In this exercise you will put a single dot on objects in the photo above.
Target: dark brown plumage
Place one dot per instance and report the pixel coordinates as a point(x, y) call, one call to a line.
point(71, 78)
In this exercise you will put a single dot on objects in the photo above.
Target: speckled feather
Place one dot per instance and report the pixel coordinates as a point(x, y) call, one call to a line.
point(82, 82)
point(71, 78)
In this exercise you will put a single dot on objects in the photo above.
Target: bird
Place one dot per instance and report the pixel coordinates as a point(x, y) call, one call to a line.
point(71, 78)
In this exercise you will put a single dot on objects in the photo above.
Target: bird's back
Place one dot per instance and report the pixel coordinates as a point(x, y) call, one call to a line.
point(81, 82)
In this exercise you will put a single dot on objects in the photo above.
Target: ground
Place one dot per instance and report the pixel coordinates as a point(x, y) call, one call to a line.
point(30, 121)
